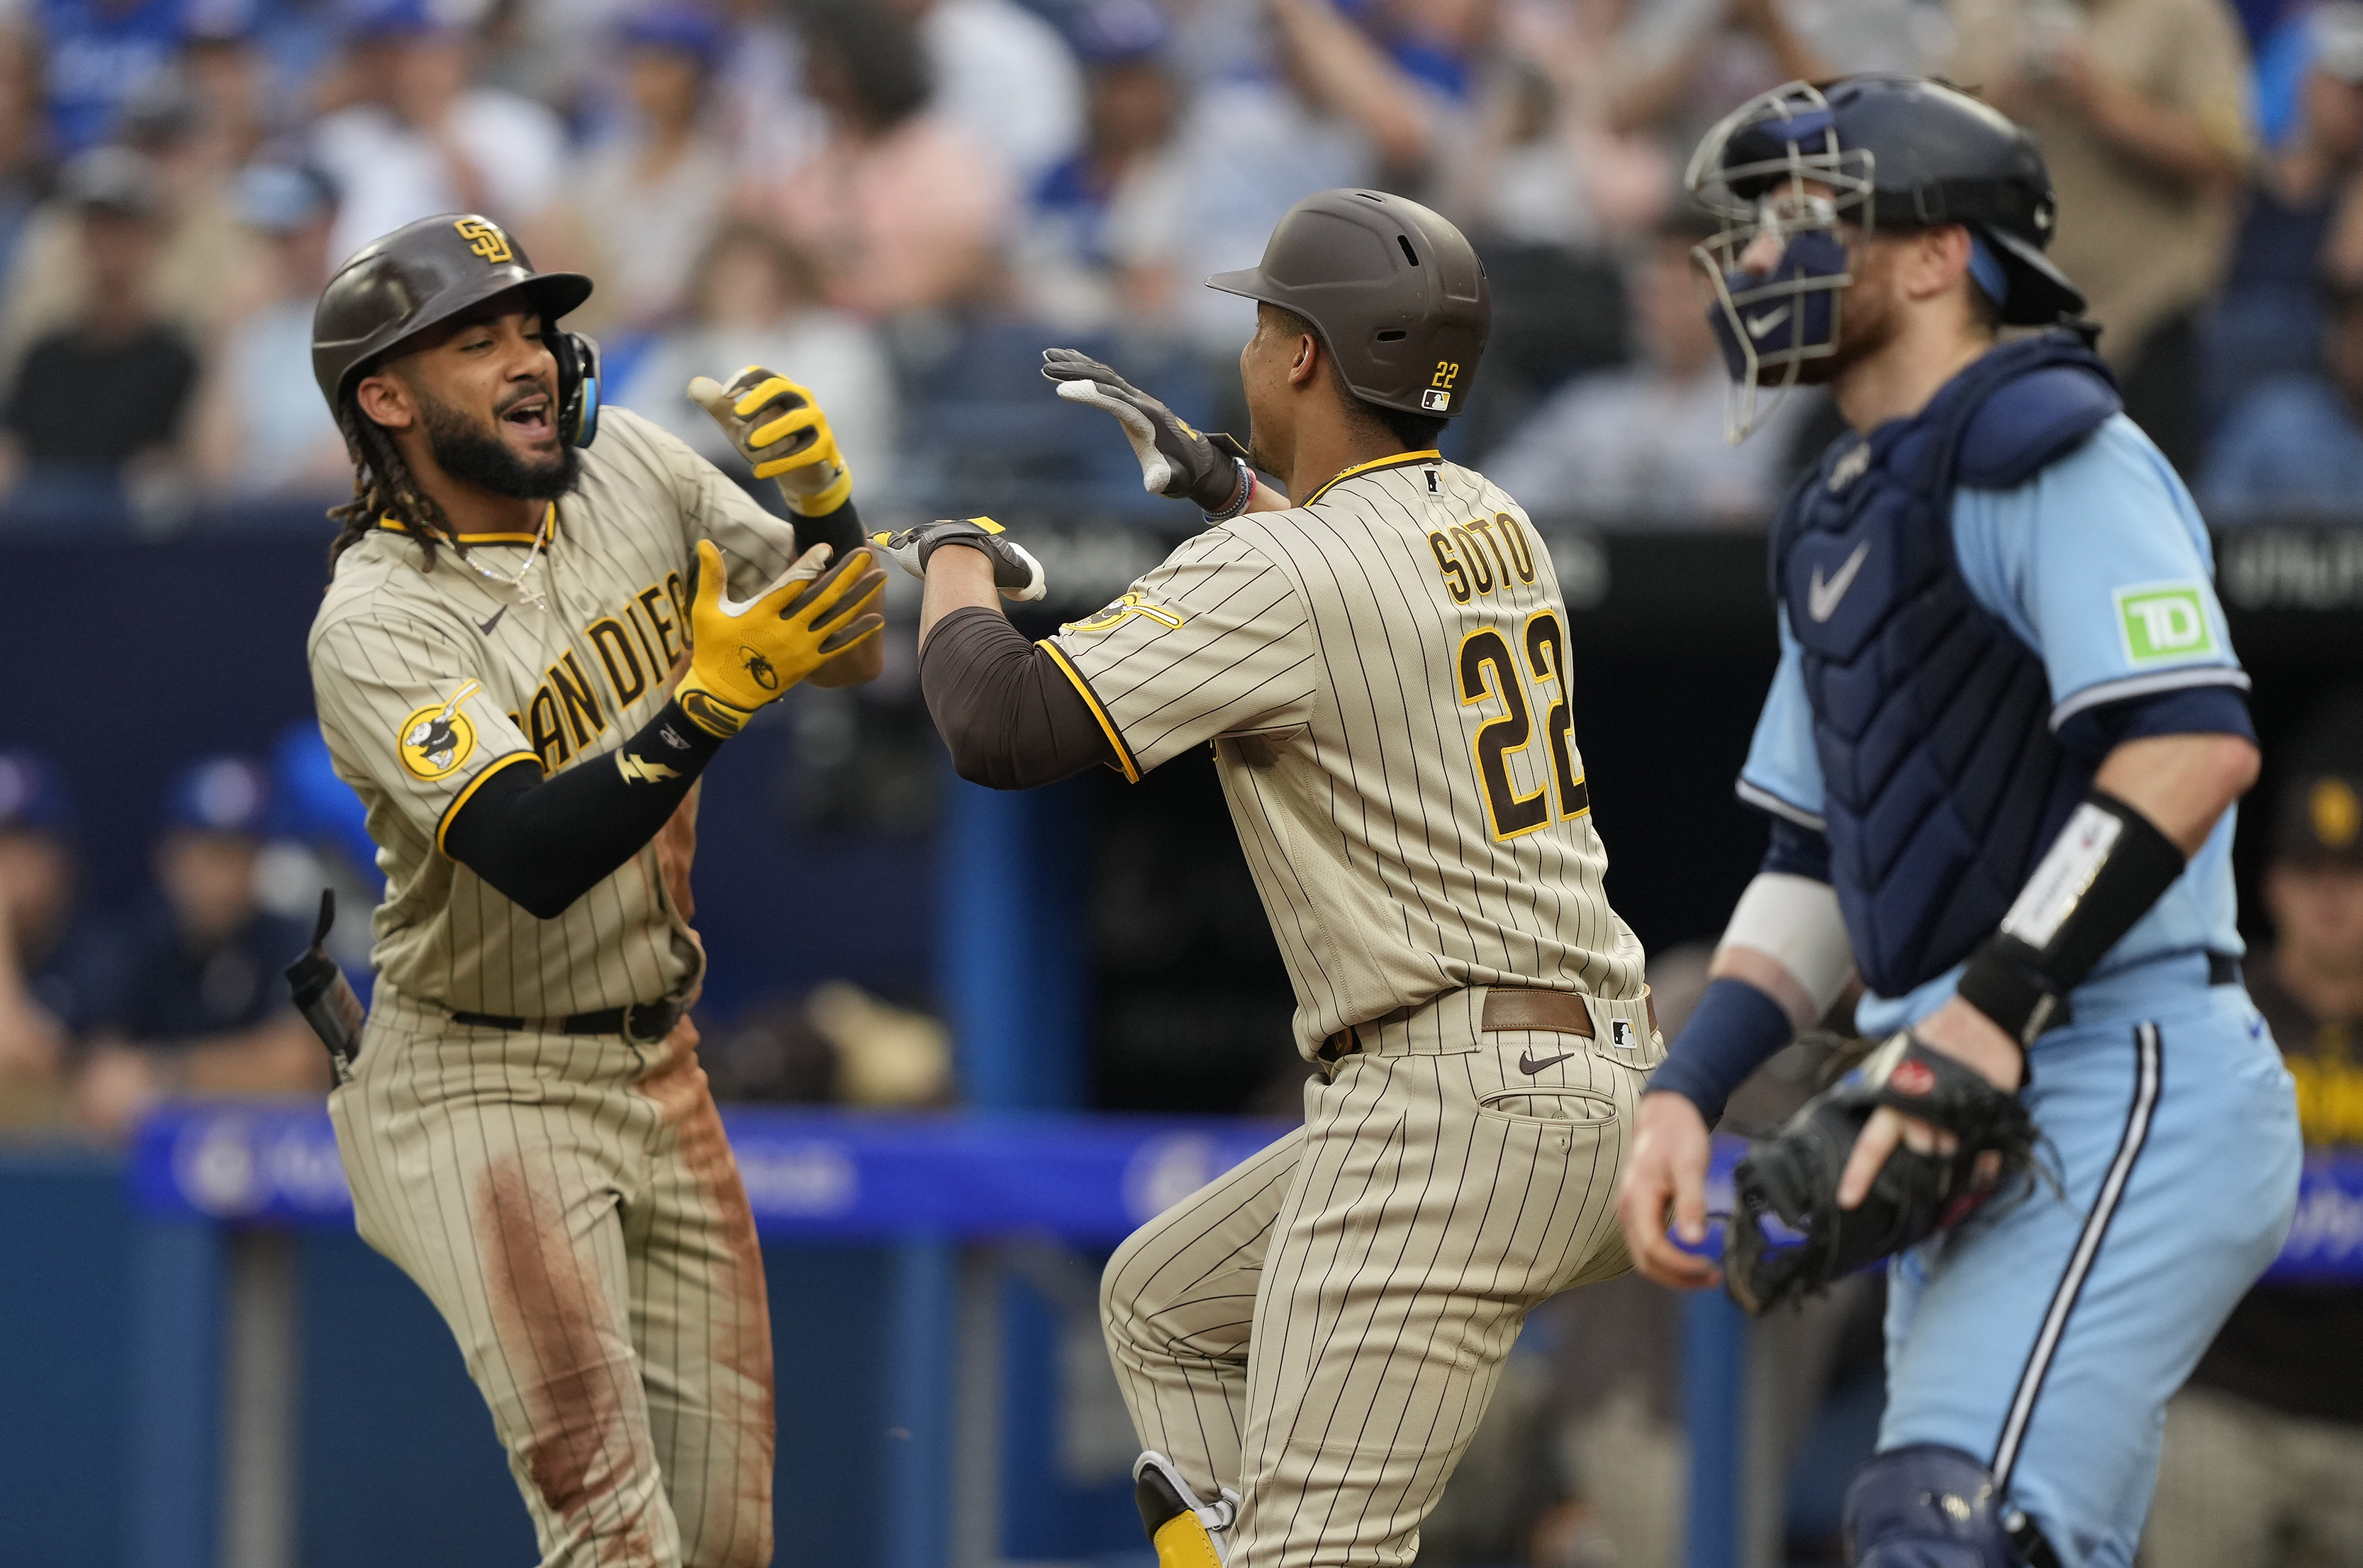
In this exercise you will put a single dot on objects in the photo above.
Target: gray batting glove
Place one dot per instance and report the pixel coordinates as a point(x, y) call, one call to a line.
point(1175, 459)
point(1014, 570)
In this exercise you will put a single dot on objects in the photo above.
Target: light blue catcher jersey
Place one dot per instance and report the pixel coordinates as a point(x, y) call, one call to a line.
point(2101, 564)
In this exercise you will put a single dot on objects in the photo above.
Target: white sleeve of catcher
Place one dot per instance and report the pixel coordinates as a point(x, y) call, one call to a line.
point(1794, 921)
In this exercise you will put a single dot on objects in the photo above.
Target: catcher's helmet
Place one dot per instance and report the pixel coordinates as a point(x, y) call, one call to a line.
point(1396, 292)
point(1879, 152)
point(428, 272)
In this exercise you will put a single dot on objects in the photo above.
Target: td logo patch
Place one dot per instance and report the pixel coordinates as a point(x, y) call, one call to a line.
point(2163, 621)
point(436, 740)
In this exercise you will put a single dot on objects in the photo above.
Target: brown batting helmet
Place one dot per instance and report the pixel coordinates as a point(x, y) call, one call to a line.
point(428, 272)
point(1396, 292)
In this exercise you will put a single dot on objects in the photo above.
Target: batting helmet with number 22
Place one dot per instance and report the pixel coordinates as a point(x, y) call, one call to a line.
point(1396, 292)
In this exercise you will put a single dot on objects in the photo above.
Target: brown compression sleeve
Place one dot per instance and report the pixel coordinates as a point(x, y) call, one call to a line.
point(1010, 715)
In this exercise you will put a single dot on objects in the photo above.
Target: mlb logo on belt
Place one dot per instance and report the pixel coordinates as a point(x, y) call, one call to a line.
point(1620, 1032)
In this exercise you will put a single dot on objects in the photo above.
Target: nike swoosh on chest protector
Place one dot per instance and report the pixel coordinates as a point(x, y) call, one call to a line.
point(1822, 598)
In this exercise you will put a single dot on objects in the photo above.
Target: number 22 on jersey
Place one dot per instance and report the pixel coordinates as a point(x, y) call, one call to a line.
point(1491, 671)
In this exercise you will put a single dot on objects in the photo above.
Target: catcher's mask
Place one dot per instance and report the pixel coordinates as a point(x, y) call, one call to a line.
point(424, 273)
point(1804, 174)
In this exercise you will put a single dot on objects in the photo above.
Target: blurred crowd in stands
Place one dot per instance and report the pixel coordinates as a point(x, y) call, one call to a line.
point(901, 203)
point(103, 1014)
point(112, 1003)
point(902, 200)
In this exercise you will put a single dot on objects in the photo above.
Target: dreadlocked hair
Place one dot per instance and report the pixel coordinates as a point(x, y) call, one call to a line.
point(382, 487)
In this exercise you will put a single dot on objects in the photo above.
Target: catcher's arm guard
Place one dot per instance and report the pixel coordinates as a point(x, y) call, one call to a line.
point(1793, 1175)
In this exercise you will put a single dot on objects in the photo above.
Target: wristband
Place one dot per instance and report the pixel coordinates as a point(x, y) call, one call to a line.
point(1734, 1030)
point(2108, 866)
point(840, 530)
point(1239, 498)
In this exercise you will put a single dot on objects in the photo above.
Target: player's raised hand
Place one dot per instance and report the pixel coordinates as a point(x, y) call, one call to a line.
point(1176, 459)
point(1014, 570)
point(779, 426)
point(1667, 1176)
point(746, 653)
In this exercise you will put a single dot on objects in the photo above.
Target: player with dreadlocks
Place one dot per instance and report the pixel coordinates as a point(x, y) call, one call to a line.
point(525, 1123)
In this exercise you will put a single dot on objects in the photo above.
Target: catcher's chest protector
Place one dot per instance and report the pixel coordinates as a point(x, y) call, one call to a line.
point(1943, 782)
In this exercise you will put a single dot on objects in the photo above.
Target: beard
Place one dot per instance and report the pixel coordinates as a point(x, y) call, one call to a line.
point(466, 448)
point(1869, 320)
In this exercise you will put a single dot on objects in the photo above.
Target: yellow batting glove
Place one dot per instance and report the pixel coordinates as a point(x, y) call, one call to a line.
point(744, 654)
point(779, 426)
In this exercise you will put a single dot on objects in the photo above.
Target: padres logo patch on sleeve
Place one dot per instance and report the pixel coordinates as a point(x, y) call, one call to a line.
point(436, 739)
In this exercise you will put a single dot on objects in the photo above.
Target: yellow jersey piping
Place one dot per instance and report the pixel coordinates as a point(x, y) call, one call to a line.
point(1400, 460)
point(549, 530)
point(1107, 725)
point(443, 822)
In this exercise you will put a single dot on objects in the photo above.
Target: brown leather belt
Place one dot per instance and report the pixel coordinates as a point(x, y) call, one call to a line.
point(1510, 1008)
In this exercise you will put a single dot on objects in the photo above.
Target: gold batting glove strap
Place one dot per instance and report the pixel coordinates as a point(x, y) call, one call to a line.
point(709, 713)
point(1015, 572)
point(744, 653)
point(779, 427)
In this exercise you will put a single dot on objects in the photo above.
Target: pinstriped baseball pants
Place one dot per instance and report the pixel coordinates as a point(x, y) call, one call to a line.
point(1322, 1326)
point(571, 1205)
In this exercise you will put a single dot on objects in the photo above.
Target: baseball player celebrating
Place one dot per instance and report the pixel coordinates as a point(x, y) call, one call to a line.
point(1306, 1345)
point(527, 1129)
point(2000, 757)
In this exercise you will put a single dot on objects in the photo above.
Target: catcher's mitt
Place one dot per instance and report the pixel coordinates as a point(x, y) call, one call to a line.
point(1794, 1172)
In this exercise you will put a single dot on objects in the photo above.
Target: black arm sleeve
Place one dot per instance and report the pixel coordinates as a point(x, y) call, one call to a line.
point(840, 530)
point(1010, 715)
point(544, 843)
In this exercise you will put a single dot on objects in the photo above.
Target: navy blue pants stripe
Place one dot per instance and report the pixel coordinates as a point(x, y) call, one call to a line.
point(2149, 1074)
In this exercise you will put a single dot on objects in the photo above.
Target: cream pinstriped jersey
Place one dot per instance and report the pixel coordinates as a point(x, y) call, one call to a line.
point(1382, 672)
point(429, 682)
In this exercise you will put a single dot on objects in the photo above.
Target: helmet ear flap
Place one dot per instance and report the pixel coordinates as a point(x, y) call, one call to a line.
point(578, 386)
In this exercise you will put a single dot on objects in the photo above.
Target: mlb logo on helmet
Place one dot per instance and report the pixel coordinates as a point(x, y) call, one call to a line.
point(1437, 397)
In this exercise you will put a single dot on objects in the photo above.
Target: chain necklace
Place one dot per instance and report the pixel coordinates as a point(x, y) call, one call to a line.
point(527, 594)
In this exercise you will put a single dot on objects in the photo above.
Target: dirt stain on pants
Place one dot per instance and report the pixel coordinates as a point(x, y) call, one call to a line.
point(584, 1443)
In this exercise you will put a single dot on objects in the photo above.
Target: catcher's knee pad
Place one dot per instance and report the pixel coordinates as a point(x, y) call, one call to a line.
point(1926, 1506)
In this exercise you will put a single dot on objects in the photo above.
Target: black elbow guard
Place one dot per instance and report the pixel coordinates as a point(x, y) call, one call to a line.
point(2108, 866)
